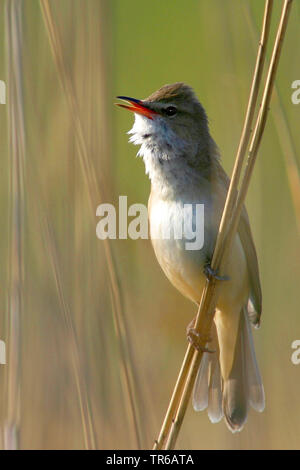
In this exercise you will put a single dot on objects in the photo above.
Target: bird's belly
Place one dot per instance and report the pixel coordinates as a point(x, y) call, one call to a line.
point(183, 266)
point(186, 275)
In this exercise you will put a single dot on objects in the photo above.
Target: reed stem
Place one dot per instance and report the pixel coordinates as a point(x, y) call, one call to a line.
point(228, 226)
point(13, 23)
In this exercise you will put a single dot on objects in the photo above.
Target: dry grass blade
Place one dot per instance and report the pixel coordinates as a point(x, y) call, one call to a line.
point(209, 297)
point(289, 153)
point(284, 136)
point(131, 389)
point(244, 141)
point(17, 163)
point(86, 415)
point(227, 210)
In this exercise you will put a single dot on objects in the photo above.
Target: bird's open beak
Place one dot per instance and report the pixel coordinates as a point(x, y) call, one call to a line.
point(136, 106)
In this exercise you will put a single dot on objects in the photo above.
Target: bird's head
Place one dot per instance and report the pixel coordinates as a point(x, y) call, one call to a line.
point(170, 116)
point(171, 128)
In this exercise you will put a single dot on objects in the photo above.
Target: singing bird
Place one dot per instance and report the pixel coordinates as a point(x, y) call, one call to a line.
point(183, 164)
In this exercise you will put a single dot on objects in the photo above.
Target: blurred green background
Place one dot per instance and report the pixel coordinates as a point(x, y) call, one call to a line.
point(132, 47)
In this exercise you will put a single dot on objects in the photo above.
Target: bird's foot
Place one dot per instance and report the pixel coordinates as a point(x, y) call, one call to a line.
point(211, 273)
point(198, 339)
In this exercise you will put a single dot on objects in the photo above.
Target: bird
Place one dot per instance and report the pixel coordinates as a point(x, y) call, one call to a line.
point(184, 166)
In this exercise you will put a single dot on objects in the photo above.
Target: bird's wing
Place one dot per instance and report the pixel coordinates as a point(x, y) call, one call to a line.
point(244, 231)
point(245, 234)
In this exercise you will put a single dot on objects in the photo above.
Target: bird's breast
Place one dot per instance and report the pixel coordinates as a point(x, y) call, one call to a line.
point(180, 236)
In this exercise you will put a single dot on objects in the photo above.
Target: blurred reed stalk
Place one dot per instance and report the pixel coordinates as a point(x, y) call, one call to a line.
point(228, 226)
point(284, 135)
point(16, 129)
point(130, 384)
point(84, 404)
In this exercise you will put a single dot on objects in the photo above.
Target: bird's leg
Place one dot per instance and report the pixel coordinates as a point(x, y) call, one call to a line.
point(197, 339)
point(211, 273)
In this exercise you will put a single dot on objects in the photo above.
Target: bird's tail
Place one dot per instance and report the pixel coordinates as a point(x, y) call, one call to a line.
point(230, 398)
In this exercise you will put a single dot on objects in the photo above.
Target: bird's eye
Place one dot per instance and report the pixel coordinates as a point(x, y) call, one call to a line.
point(170, 111)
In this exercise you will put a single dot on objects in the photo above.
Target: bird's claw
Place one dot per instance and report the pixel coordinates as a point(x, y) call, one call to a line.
point(197, 339)
point(211, 273)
